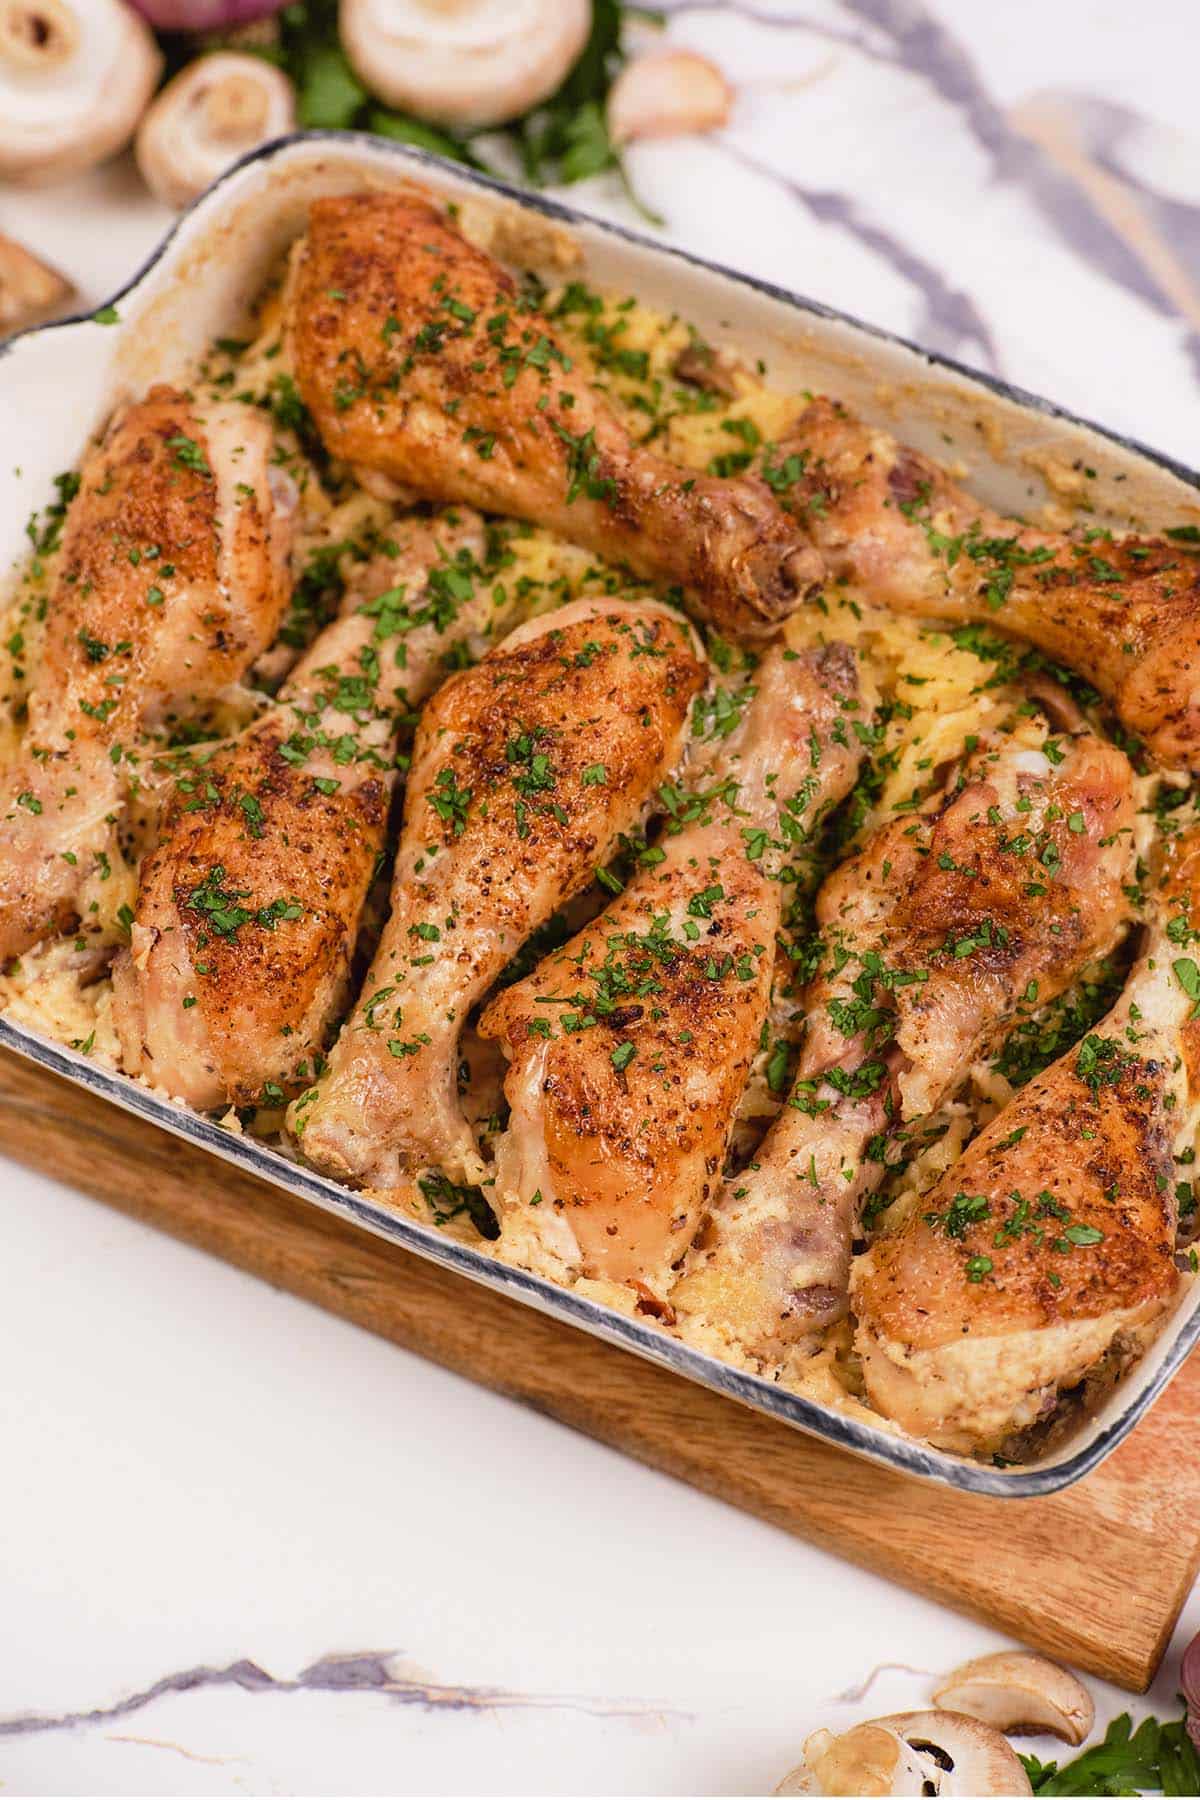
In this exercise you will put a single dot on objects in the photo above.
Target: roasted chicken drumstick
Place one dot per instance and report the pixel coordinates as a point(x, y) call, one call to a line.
point(629, 1047)
point(525, 771)
point(1046, 1254)
point(249, 908)
point(173, 577)
point(420, 359)
point(941, 928)
point(1124, 612)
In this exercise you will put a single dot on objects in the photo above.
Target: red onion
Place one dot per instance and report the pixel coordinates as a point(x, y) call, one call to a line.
point(1189, 1681)
point(203, 15)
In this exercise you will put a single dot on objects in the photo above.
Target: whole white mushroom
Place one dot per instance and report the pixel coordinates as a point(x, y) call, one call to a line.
point(468, 63)
point(75, 78)
point(215, 110)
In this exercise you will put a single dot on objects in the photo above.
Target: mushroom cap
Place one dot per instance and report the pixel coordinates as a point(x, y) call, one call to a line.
point(212, 112)
point(75, 78)
point(30, 290)
point(463, 62)
point(914, 1753)
point(1016, 1691)
point(666, 93)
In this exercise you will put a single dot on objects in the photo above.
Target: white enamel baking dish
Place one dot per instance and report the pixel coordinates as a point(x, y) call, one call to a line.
point(58, 383)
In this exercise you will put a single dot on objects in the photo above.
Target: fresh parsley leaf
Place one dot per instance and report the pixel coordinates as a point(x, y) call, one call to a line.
point(587, 148)
point(329, 94)
point(403, 129)
point(447, 1200)
point(564, 139)
point(1154, 1759)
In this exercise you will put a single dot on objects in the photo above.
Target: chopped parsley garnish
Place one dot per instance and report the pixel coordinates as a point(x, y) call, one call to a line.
point(447, 1200)
point(450, 802)
point(188, 454)
point(222, 908)
point(583, 467)
point(1101, 1062)
point(964, 1211)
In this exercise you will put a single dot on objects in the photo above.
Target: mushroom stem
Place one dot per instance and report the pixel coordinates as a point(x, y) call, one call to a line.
point(236, 110)
point(36, 34)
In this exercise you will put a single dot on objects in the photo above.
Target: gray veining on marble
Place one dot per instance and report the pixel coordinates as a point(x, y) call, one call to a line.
point(378, 1672)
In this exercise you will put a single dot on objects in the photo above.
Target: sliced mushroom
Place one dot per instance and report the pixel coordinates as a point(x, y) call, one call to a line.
point(667, 92)
point(1016, 1691)
point(30, 290)
point(464, 62)
point(214, 111)
point(698, 365)
point(75, 77)
point(1059, 706)
point(930, 1753)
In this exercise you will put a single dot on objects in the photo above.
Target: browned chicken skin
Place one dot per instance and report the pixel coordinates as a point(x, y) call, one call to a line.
point(249, 908)
point(525, 771)
point(420, 359)
point(629, 1047)
point(172, 579)
point(937, 932)
point(1047, 1252)
point(1124, 612)
point(1043, 1260)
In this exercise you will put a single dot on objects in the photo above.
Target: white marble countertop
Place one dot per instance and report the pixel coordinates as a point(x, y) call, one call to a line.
point(210, 1492)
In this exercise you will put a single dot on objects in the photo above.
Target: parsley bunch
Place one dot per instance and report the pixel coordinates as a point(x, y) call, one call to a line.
point(563, 140)
point(1154, 1759)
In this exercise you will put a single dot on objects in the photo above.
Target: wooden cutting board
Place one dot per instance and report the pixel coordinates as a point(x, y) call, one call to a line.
point(1095, 1575)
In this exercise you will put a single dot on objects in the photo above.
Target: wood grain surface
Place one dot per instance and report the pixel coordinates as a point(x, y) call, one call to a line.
point(1095, 1575)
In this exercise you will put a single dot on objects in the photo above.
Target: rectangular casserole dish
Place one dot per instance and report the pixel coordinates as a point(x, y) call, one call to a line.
point(58, 384)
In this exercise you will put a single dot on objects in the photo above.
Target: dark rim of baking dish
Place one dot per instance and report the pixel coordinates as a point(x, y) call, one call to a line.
point(572, 216)
point(874, 1442)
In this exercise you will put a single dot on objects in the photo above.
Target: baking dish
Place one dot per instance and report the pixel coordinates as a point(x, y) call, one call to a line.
point(1020, 452)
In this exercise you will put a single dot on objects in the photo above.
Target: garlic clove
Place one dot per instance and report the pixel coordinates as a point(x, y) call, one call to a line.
point(215, 110)
point(665, 93)
point(30, 290)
